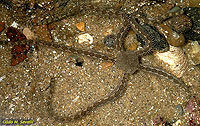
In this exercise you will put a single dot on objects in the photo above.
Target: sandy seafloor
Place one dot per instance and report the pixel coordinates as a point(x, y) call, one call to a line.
point(23, 94)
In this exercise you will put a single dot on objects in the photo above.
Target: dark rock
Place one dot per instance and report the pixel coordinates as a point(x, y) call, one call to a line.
point(14, 35)
point(110, 40)
point(194, 14)
point(158, 41)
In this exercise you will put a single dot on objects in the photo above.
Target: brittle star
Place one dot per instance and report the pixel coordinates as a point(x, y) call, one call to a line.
point(126, 60)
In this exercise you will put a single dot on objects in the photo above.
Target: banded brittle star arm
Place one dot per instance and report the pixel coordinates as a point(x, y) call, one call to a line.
point(113, 95)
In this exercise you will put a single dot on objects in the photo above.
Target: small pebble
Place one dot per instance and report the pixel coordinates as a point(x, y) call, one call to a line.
point(29, 34)
point(106, 65)
point(3, 77)
point(107, 32)
point(178, 39)
point(172, 37)
point(179, 109)
point(2, 26)
point(85, 38)
point(192, 49)
point(110, 41)
point(192, 105)
point(193, 109)
point(180, 23)
point(81, 26)
point(76, 99)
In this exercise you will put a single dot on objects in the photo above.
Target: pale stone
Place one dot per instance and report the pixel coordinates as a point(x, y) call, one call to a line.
point(85, 38)
point(29, 34)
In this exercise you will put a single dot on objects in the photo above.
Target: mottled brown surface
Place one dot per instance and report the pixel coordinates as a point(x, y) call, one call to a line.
point(23, 93)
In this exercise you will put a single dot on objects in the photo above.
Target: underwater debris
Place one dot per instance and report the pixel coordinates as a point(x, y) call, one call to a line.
point(14, 35)
point(19, 54)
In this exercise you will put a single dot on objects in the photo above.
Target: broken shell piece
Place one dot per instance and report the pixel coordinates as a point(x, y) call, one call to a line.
point(86, 38)
point(177, 123)
point(14, 24)
point(193, 51)
point(81, 26)
point(106, 65)
point(173, 61)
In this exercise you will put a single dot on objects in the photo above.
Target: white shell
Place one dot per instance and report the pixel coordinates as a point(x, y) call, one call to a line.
point(177, 123)
point(86, 38)
point(173, 61)
point(14, 24)
point(3, 77)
